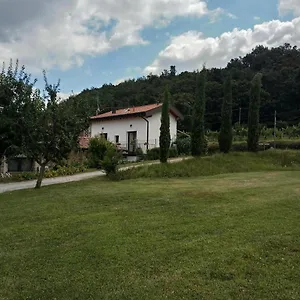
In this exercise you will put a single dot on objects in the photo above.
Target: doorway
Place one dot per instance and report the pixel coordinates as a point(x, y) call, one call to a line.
point(132, 142)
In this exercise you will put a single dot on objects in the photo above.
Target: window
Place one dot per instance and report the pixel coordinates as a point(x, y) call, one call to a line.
point(117, 139)
point(104, 135)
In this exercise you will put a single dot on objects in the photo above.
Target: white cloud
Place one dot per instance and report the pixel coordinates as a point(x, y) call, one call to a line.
point(61, 33)
point(64, 96)
point(256, 18)
point(118, 81)
point(189, 51)
point(289, 6)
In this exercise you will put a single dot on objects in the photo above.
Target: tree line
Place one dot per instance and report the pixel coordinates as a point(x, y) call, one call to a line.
point(280, 69)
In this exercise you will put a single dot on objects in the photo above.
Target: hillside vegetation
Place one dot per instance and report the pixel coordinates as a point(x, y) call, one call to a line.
point(281, 89)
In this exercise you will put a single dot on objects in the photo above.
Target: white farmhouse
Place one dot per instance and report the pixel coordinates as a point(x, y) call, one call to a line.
point(134, 127)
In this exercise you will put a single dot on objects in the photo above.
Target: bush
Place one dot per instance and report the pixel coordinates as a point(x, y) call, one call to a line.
point(140, 154)
point(293, 145)
point(183, 145)
point(173, 152)
point(153, 154)
point(97, 149)
point(111, 160)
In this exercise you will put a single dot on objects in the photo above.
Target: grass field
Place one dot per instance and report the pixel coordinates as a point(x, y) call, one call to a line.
point(231, 236)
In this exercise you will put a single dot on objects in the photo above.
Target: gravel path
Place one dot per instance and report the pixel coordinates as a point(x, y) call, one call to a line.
point(14, 186)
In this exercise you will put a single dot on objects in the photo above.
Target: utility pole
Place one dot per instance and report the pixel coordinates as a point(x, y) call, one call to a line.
point(240, 115)
point(275, 125)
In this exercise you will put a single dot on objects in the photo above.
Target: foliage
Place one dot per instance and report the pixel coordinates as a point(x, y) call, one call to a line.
point(103, 154)
point(154, 153)
point(225, 136)
point(41, 128)
point(253, 116)
point(140, 154)
point(16, 87)
point(98, 146)
point(183, 145)
point(111, 160)
point(218, 164)
point(164, 137)
point(280, 67)
point(198, 143)
point(57, 171)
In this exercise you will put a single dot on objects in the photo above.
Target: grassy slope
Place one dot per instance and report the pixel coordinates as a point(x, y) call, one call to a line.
point(271, 160)
point(222, 237)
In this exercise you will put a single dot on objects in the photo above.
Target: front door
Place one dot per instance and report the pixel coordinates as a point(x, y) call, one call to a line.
point(132, 142)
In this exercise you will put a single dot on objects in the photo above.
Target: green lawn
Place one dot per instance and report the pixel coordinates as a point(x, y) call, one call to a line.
point(233, 236)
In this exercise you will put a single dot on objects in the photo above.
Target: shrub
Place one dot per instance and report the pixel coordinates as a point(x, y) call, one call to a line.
point(153, 154)
point(173, 152)
point(97, 149)
point(140, 154)
point(183, 145)
point(111, 160)
point(293, 145)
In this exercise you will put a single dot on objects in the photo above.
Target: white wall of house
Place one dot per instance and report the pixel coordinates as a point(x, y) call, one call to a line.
point(120, 127)
point(155, 127)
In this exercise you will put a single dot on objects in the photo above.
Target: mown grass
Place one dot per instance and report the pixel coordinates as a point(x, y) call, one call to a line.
point(270, 160)
point(233, 236)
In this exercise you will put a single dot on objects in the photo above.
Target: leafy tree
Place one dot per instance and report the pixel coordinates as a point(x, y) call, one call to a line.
point(15, 88)
point(50, 128)
point(165, 138)
point(173, 71)
point(253, 117)
point(198, 140)
point(225, 136)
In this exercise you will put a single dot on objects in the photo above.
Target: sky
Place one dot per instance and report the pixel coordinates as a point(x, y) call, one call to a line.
point(88, 43)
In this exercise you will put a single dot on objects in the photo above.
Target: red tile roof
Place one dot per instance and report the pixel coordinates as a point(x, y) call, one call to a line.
point(128, 111)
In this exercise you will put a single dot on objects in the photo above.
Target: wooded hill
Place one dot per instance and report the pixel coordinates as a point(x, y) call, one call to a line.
point(281, 89)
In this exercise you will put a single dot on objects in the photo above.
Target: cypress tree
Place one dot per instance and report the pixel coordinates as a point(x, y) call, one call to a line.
point(198, 139)
point(165, 138)
point(253, 116)
point(225, 136)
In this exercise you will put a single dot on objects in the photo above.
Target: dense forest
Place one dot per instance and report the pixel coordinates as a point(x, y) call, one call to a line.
point(280, 89)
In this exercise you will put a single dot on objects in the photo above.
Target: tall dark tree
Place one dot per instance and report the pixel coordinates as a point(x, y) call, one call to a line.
point(253, 116)
point(165, 138)
point(225, 136)
point(198, 139)
point(173, 71)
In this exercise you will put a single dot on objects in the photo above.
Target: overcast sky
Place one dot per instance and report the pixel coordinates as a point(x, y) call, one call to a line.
point(88, 43)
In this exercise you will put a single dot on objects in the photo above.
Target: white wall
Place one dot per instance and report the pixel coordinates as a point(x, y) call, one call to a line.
point(120, 127)
point(155, 127)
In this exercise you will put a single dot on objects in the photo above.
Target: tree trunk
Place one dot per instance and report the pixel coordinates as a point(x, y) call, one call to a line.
point(41, 176)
